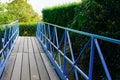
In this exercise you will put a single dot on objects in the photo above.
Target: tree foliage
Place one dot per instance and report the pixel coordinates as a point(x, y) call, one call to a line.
point(18, 10)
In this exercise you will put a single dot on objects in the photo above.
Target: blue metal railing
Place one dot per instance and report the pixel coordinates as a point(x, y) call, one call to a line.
point(6, 44)
point(50, 42)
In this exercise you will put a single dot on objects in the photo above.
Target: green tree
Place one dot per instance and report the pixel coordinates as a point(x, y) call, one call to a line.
point(17, 10)
point(22, 11)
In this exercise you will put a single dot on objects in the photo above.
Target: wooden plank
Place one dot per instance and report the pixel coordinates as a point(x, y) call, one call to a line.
point(17, 68)
point(30, 48)
point(10, 65)
point(25, 75)
point(39, 46)
point(20, 50)
point(41, 67)
point(25, 45)
point(34, 45)
point(16, 46)
point(9, 68)
point(33, 64)
point(49, 67)
point(33, 68)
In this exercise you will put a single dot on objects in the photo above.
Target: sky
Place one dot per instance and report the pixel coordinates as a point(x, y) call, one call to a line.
point(38, 5)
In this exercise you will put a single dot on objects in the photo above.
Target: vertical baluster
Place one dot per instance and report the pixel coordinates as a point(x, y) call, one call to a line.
point(47, 31)
point(18, 28)
point(1, 43)
point(102, 60)
point(65, 61)
point(5, 41)
point(1, 47)
point(49, 34)
point(44, 36)
point(11, 34)
point(37, 29)
point(40, 31)
point(10, 37)
point(71, 51)
point(53, 42)
point(59, 58)
point(91, 58)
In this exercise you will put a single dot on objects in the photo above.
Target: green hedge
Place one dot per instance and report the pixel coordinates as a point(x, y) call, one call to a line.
point(27, 29)
point(60, 15)
point(94, 16)
point(99, 17)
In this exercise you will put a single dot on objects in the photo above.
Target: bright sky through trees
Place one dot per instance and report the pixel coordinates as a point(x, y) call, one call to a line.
point(38, 5)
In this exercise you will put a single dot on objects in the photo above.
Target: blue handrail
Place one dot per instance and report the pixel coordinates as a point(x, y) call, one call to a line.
point(50, 42)
point(6, 44)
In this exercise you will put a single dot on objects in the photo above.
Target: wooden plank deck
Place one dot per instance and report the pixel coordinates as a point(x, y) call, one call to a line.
point(28, 62)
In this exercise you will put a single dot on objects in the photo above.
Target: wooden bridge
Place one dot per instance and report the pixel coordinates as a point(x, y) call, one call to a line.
point(41, 57)
point(28, 62)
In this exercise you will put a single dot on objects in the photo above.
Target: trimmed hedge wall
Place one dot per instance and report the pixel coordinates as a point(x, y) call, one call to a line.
point(94, 16)
point(60, 15)
point(27, 29)
point(100, 17)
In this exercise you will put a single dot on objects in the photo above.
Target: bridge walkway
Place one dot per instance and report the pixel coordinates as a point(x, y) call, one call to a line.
point(28, 62)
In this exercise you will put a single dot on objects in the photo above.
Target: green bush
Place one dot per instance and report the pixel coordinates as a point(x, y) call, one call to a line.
point(27, 29)
point(61, 15)
point(2, 30)
point(93, 16)
point(100, 17)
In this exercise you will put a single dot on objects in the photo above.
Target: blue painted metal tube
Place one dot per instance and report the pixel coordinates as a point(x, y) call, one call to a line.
point(58, 47)
point(65, 61)
point(10, 37)
point(79, 70)
point(80, 55)
point(91, 58)
point(53, 41)
point(51, 59)
point(102, 60)
point(8, 42)
point(71, 51)
point(87, 34)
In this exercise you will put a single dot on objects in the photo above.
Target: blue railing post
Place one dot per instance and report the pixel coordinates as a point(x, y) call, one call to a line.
point(10, 36)
point(102, 60)
point(91, 58)
point(50, 42)
point(10, 33)
point(1, 43)
point(71, 51)
point(49, 36)
point(57, 45)
point(65, 61)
